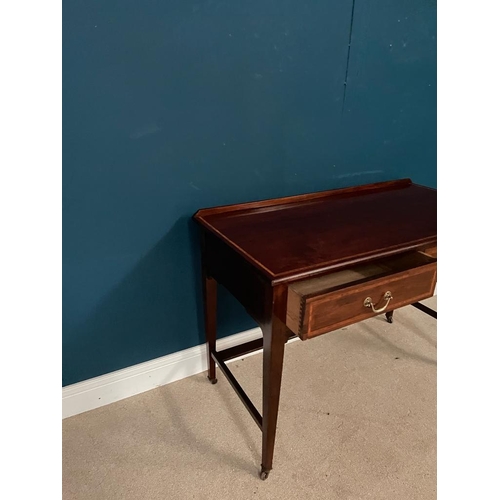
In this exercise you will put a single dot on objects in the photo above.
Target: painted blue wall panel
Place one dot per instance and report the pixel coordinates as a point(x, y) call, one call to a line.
point(389, 114)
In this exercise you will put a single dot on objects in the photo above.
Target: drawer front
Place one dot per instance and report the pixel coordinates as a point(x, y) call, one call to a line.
point(324, 313)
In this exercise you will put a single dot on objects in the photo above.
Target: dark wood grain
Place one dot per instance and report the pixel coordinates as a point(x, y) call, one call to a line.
point(238, 389)
point(275, 338)
point(291, 238)
point(236, 274)
point(209, 287)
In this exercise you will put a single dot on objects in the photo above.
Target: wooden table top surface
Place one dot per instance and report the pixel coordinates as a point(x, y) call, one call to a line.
point(299, 236)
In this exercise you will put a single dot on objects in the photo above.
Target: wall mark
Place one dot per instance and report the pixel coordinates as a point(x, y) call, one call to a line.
point(348, 56)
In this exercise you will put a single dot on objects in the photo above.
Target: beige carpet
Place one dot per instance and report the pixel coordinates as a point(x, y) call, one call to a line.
point(357, 421)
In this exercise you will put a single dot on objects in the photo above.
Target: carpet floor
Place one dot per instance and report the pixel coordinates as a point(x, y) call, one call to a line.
point(357, 421)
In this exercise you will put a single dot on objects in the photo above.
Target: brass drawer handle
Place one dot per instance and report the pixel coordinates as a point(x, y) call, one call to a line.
point(368, 302)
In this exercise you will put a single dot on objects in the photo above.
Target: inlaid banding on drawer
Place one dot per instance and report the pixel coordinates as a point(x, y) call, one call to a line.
point(323, 304)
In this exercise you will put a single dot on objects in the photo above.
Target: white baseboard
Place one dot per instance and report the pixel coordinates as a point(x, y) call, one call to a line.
point(121, 384)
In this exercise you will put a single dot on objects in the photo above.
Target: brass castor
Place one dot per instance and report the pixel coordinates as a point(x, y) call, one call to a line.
point(212, 380)
point(264, 474)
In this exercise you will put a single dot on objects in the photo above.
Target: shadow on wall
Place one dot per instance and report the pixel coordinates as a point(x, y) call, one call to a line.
point(142, 312)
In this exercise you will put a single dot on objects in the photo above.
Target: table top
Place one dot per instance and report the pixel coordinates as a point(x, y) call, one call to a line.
point(300, 236)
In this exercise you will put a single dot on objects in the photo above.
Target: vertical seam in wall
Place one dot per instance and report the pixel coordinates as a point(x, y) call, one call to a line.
point(348, 55)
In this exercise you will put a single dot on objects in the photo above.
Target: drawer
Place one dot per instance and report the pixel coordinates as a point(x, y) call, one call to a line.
point(320, 305)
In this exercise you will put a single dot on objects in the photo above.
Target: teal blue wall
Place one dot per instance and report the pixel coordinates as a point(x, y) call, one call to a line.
point(169, 106)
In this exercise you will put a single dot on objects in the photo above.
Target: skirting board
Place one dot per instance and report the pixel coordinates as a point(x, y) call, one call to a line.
point(121, 384)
